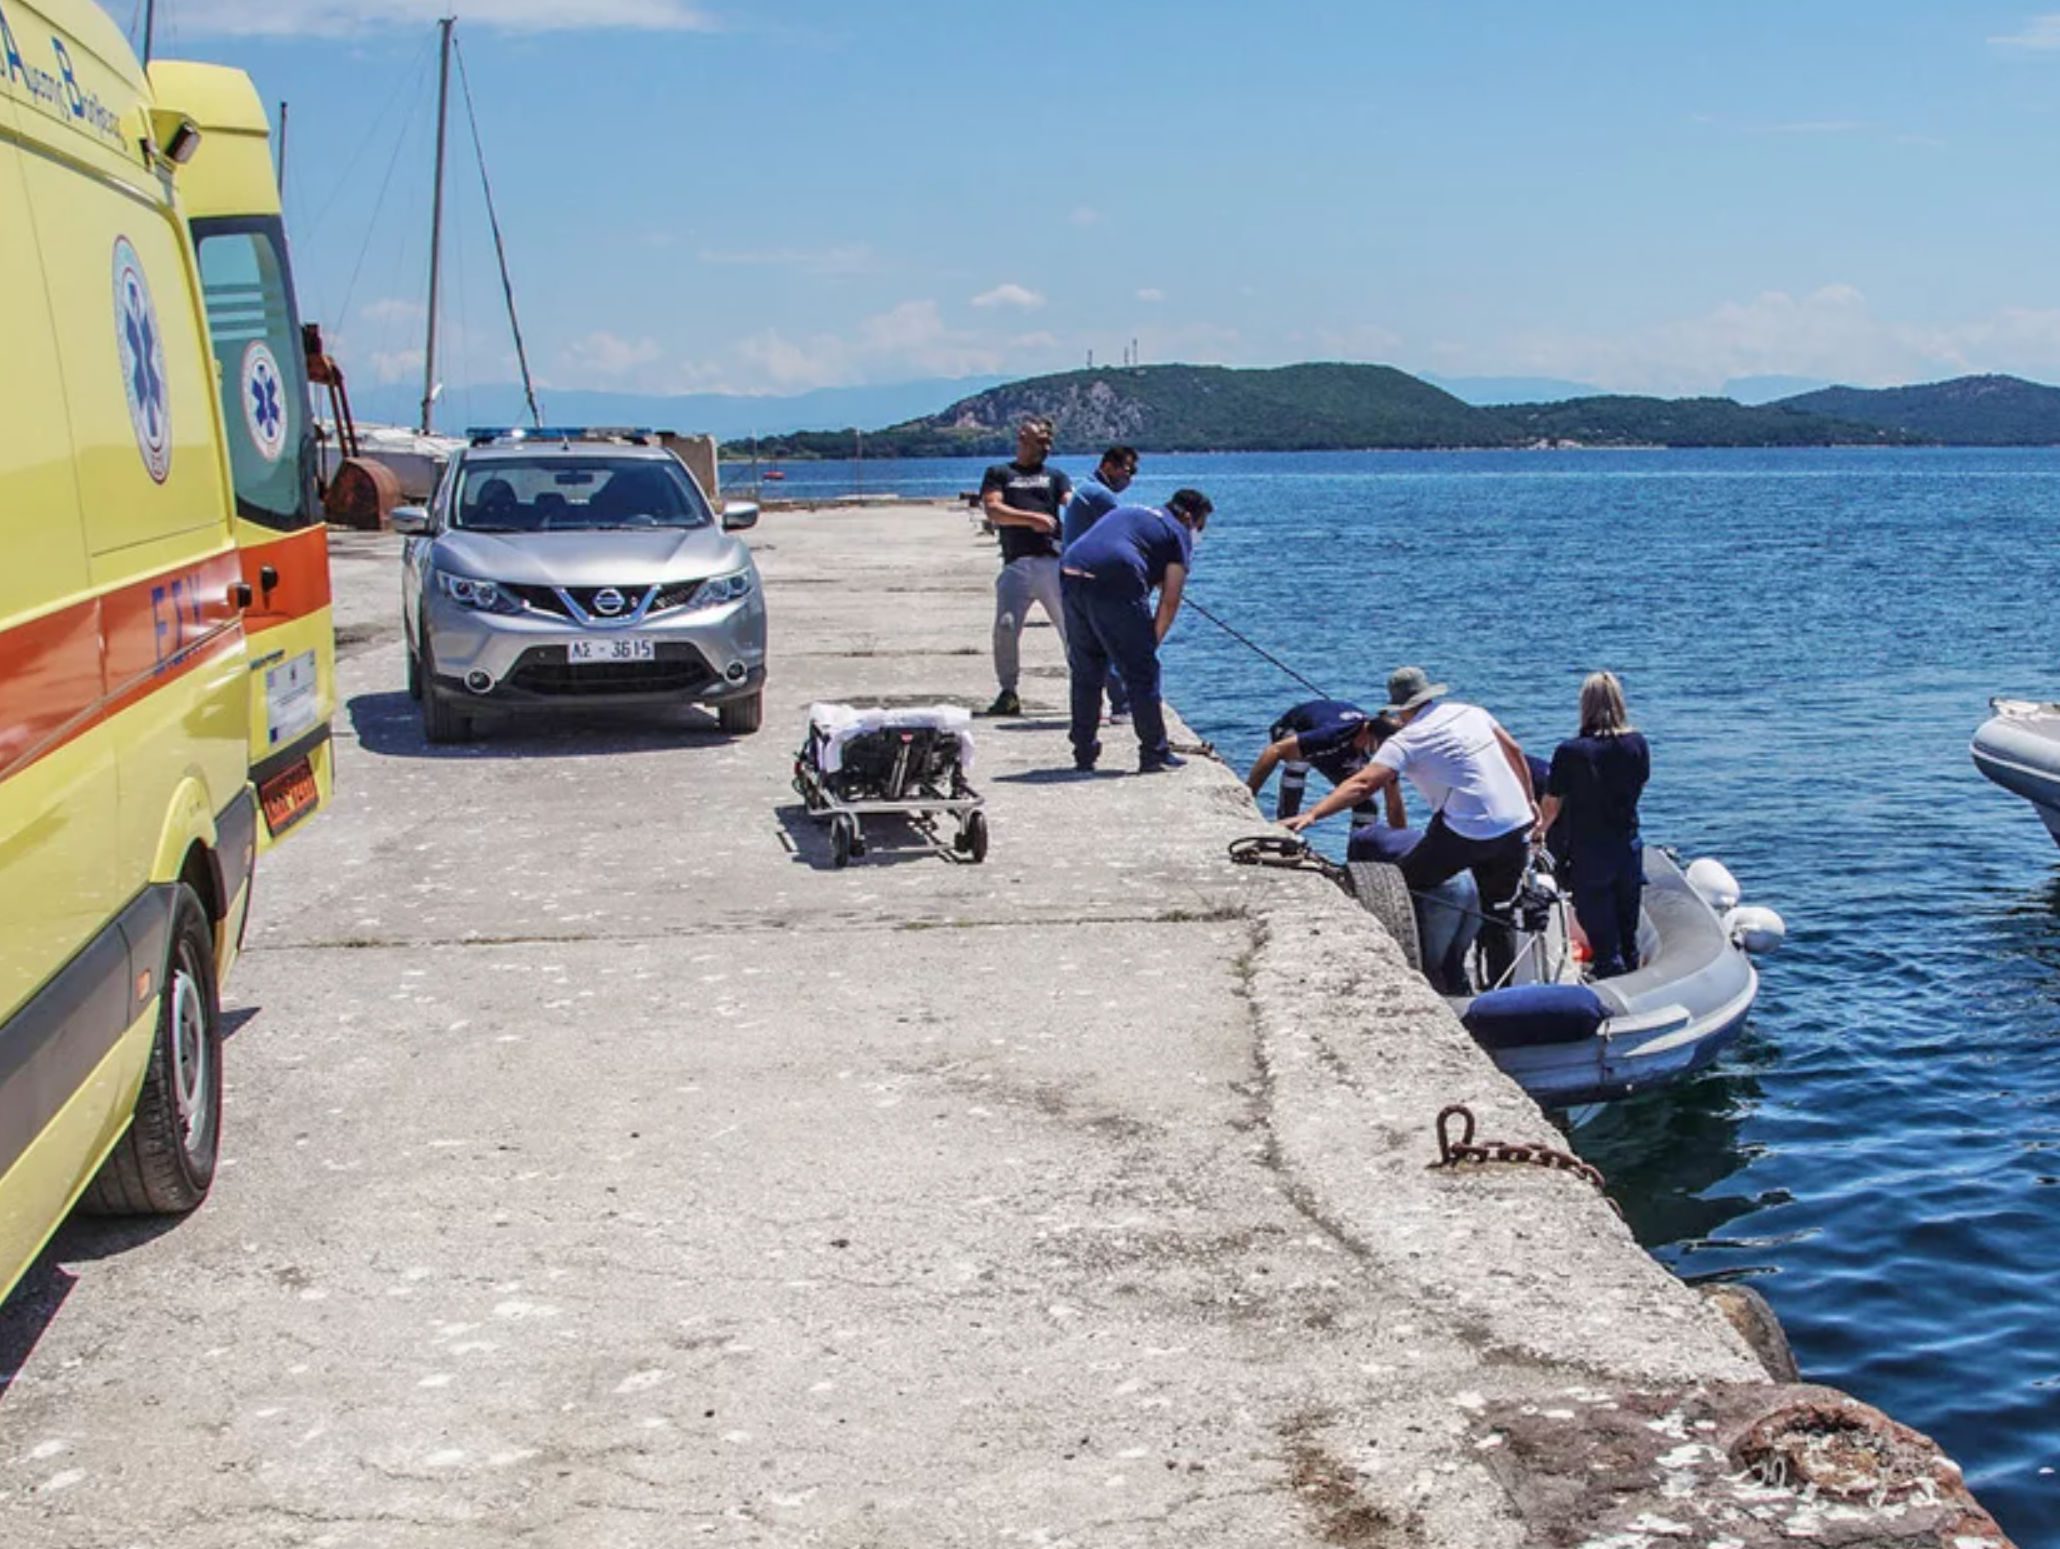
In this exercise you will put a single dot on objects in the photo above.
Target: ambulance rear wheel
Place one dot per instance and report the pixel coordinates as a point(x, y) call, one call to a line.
point(1383, 894)
point(165, 1164)
point(843, 840)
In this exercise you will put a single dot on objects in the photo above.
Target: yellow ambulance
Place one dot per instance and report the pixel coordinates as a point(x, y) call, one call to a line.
point(150, 663)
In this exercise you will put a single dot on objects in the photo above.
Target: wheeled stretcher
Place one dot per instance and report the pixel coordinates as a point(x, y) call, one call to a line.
point(857, 762)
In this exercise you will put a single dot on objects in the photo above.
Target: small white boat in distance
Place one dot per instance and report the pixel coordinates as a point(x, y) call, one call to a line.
point(2018, 747)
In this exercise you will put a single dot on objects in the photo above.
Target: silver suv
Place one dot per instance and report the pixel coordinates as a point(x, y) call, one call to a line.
point(564, 569)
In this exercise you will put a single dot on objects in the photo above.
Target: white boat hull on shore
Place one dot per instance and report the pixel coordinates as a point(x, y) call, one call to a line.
point(2018, 748)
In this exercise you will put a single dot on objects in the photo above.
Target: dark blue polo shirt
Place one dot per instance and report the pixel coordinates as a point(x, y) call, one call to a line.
point(1128, 551)
point(1092, 500)
point(1598, 781)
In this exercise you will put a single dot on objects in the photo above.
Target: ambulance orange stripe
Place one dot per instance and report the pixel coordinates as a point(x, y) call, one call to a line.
point(301, 563)
point(65, 673)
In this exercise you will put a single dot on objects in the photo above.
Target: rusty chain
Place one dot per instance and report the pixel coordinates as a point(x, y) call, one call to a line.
point(1453, 1152)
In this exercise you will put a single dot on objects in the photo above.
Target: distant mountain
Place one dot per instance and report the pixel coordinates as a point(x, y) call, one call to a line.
point(1967, 411)
point(1620, 421)
point(725, 415)
point(1755, 390)
point(1314, 408)
point(1487, 391)
point(1195, 409)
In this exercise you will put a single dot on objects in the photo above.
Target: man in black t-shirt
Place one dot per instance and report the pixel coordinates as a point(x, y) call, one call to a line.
point(1022, 501)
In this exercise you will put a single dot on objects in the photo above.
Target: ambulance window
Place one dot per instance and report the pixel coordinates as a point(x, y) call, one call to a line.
point(264, 379)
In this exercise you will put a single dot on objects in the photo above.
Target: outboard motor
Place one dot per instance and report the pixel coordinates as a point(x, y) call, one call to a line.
point(1756, 929)
point(1713, 882)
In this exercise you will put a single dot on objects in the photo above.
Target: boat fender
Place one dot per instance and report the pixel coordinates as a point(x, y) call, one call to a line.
point(1713, 881)
point(1526, 1014)
point(1755, 929)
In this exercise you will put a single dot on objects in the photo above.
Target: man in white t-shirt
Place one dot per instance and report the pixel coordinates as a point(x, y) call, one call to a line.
point(1474, 776)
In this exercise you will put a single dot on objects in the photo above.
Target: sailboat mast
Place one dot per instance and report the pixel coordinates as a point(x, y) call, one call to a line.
point(443, 103)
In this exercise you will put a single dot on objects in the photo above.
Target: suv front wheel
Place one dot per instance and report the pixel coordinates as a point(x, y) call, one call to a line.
point(741, 717)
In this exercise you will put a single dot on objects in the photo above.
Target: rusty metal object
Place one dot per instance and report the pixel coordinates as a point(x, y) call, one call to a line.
point(1452, 1152)
point(362, 495)
point(1749, 1465)
point(1843, 1448)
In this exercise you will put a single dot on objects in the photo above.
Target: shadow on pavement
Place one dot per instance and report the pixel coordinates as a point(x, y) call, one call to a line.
point(890, 840)
point(27, 1315)
point(389, 724)
point(1067, 776)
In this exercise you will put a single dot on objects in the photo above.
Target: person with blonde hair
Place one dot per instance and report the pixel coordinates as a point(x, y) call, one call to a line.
point(1591, 795)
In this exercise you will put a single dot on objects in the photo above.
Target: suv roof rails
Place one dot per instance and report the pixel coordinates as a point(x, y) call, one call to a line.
point(492, 435)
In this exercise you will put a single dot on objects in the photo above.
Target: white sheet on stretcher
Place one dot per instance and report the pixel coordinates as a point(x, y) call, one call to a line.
point(838, 724)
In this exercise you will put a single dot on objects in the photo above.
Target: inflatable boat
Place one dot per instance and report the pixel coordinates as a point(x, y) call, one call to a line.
point(2018, 747)
point(1567, 1040)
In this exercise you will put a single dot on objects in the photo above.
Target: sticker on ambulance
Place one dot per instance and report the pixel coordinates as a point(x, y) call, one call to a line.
point(143, 361)
point(264, 401)
point(291, 705)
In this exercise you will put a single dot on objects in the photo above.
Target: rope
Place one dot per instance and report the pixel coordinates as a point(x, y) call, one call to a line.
point(1254, 646)
point(493, 219)
point(400, 141)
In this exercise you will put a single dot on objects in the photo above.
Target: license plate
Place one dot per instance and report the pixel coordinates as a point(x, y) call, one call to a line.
point(289, 796)
point(628, 649)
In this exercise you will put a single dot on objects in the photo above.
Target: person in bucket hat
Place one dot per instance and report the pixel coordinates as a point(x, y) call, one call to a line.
point(1477, 782)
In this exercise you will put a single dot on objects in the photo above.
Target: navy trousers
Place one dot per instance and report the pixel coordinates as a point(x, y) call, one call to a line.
point(1608, 912)
point(1109, 631)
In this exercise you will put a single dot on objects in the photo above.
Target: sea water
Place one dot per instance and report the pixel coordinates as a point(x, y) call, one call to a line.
point(1808, 639)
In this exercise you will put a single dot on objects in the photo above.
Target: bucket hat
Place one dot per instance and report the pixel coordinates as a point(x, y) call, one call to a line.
point(1409, 687)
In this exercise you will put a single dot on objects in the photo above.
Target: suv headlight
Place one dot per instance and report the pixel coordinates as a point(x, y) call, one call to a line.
point(719, 589)
point(481, 596)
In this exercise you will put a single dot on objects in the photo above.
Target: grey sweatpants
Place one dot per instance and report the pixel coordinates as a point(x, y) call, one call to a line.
point(1022, 582)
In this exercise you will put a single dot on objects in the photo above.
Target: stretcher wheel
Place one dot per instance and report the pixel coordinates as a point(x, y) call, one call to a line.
point(974, 836)
point(1383, 894)
point(843, 840)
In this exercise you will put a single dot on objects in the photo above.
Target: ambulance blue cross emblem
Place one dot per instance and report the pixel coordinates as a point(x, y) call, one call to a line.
point(143, 361)
point(264, 401)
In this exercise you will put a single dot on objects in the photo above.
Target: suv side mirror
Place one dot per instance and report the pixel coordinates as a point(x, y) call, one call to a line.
point(410, 521)
point(739, 517)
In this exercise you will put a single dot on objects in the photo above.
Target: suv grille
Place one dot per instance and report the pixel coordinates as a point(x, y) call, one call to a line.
point(544, 671)
point(544, 599)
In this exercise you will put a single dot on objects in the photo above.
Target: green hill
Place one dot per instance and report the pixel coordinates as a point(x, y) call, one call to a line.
point(1689, 422)
point(1188, 409)
point(1967, 411)
point(1317, 407)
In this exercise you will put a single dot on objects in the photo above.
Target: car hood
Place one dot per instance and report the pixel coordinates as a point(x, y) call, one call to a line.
point(637, 557)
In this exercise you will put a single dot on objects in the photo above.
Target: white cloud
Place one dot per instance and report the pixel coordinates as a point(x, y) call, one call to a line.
point(1009, 294)
point(338, 18)
point(389, 366)
point(608, 356)
point(394, 309)
point(1151, 293)
point(2040, 35)
point(843, 258)
point(1084, 215)
point(909, 340)
point(1830, 333)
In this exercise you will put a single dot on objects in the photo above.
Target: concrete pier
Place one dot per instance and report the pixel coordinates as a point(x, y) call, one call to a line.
point(607, 1169)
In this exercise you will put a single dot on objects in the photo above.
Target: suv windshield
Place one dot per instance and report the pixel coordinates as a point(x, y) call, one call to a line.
point(575, 494)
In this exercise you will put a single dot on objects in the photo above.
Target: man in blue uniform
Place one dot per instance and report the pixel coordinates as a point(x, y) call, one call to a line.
point(1022, 501)
point(1109, 576)
point(1333, 737)
point(1094, 498)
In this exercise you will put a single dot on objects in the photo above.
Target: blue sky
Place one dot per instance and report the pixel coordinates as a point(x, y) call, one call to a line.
point(787, 194)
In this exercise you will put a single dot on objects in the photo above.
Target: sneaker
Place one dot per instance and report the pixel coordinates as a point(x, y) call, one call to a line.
point(1005, 703)
point(1161, 762)
point(1117, 717)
